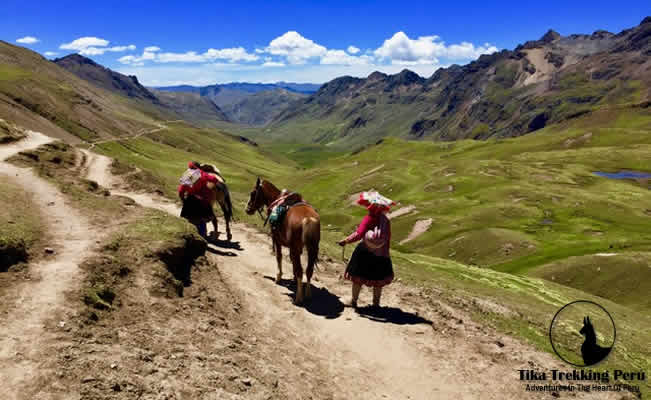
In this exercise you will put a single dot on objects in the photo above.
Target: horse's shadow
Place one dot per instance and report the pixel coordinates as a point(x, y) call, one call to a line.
point(392, 315)
point(323, 303)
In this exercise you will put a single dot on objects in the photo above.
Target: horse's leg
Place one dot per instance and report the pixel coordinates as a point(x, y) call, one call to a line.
point(215, 234)
point(311, 262)
point(229, 236)
point(311, 237)
point(295, 255)
point(279, 260)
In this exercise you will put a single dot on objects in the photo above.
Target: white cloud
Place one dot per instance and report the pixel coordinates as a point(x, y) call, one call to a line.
point(340, 57)
point(353, 49)
point(127, 59)
point(295, 48)
point(273, 64)
point(468, 51)
point(188, 57)
point(50, 53)
point(401, 50)
point(93, 46)
point(27, 40)
point(298, 57)
point(234, 54)
point(84, 43)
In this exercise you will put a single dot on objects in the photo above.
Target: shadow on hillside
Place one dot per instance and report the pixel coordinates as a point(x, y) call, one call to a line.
point(392, 315)
point(323, 303)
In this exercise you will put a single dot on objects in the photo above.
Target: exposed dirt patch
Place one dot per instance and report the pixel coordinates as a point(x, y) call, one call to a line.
point(421, 226)
point(544, 68)
point(578, 141)
point(401, 211)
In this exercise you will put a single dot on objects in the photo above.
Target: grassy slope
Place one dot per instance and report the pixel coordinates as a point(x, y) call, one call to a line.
point(21, 228)
point(513, 205)
point(164, 156)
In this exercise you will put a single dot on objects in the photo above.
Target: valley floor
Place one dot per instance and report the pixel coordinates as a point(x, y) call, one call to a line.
point(234, 333)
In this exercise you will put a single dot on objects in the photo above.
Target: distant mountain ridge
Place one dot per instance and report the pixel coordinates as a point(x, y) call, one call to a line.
point(248, 103)
point(189, 106)
point(90, 71)
point(306, 88)
point(38, 94)
point(505, 94)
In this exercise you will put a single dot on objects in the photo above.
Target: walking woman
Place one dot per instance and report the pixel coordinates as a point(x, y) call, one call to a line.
point(195, 195)
point(370, 263)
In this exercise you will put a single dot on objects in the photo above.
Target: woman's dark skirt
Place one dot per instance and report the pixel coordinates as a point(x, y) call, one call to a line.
point(196, 211)
point(368, 269)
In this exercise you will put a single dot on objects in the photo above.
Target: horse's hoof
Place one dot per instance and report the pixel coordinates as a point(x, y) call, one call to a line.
point(229, 237)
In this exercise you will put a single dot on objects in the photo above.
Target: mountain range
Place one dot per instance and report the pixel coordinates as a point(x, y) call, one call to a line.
point(248, 103)
point(506, 94)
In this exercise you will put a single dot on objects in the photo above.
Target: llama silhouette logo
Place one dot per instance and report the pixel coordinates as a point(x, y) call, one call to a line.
point(582, 333)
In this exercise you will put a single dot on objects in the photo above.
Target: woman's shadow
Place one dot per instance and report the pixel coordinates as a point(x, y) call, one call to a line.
point(322, 303)
point(218, 244)
point(392, 315)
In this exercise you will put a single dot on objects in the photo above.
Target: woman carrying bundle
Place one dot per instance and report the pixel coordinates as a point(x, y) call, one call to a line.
point(370, 263)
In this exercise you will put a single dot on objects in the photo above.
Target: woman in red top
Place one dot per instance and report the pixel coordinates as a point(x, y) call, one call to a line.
point(370, 263)
point(197, 208)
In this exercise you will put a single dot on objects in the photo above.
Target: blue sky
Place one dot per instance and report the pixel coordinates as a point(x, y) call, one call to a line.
point(204, 42)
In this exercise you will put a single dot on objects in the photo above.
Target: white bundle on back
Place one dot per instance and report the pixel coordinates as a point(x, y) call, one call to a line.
point(373, 239)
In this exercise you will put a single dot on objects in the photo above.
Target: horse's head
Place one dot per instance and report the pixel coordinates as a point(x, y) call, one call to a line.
point(256, 198)
point(587, 330)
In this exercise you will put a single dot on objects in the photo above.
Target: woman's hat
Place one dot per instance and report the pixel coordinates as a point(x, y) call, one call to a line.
point(375, 201)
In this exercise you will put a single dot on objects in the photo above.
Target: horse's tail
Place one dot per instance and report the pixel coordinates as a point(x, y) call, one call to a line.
point(228, 209)
point(311, 238)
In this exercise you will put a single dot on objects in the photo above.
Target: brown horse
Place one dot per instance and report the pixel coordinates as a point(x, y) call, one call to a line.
point(300, 228)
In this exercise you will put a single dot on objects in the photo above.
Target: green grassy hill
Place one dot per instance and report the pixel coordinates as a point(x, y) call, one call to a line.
point(513, 205)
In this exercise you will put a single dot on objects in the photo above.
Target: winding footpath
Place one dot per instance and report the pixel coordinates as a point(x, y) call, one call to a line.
point(23, 334)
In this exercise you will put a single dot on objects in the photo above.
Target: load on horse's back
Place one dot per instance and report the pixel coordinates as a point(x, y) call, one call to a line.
point(298, 226)
point(201, 186)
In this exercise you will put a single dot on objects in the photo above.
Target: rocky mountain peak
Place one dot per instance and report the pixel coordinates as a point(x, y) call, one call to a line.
point(550, 36)
point(376, 76)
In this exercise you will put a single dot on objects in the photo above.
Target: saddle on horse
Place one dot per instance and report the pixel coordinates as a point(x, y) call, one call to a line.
point(277, 210)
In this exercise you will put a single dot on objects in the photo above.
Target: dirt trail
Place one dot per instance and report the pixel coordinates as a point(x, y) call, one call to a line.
point(142, 132)
point(419, 348)
point(30, 306)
